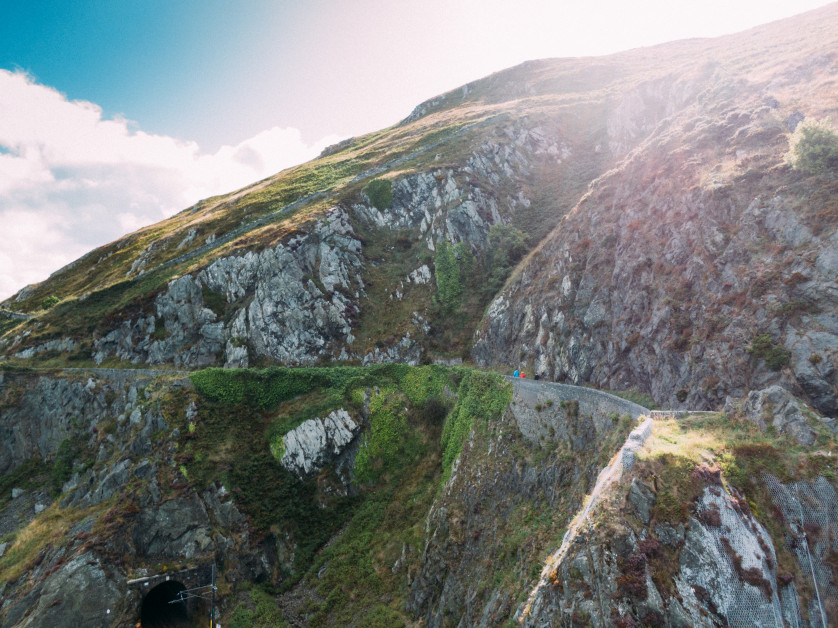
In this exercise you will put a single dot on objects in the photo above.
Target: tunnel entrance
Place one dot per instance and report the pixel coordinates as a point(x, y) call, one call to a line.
point(157, 612)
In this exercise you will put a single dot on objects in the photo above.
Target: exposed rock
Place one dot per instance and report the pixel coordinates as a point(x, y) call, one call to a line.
point(290, 318)
point(775, 406)
point(810, 512)
point(642, 499)
point(176, 528)
point(726, 576)
point(225, 512)
point(714, 560)
point(421, 275)
point(62, 345)
point(318, 442)
point(80, 593)
point(489, 484)
point(43, 418)
point(406, 351)
point(596, 303)
point(187, 238)
point(114, 480)
point(669, 535)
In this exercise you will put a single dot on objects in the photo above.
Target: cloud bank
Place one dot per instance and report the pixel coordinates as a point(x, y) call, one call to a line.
point(71, 180)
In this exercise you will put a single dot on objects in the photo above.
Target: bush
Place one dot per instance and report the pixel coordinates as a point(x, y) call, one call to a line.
point(814, 148)
point(65, 456)
point(380, 193)
point(775, 356)
point(387, 442)
point(50, 302)
point(507, 245)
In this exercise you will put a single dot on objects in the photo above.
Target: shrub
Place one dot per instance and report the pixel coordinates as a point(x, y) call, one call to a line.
point(65, 456)
point(50, 302)
point(775, 356)
point(632, 581)
point(380, 193)
point(215, 301)
point(385, 445)
point(814, 148)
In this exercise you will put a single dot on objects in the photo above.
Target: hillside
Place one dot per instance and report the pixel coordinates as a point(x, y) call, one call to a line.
point(672, 158)
point(637, 223)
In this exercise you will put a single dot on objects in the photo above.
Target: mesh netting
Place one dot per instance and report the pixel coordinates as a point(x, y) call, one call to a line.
point(742, 539)
point(807, 517)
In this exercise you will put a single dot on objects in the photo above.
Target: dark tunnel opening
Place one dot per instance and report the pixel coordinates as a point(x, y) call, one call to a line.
point(157, 612)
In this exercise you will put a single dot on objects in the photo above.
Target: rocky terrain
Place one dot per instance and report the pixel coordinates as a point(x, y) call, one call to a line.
point(652, 223)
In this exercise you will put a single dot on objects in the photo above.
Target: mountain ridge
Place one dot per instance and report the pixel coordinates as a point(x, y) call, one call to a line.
point(632, 223)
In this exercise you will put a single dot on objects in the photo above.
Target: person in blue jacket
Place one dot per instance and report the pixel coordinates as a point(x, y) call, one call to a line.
point(516, 373)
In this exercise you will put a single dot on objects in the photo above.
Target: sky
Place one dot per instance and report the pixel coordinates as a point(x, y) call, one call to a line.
point(116, 114)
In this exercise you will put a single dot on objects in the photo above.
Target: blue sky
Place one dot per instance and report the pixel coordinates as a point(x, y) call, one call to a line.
point(117, 113)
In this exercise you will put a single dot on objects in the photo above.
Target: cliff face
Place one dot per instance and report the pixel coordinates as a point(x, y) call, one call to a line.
point(629, 222)
point(683, 544)
point(339, 488)
point(91, 489)
point(701, 266)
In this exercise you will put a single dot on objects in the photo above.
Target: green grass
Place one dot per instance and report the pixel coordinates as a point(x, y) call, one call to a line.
point(261, 612)
point(482, 397)
point(246, 412)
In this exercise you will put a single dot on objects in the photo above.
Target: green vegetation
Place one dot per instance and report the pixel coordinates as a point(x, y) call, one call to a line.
point(31, 475)
point(814, 148)
point(68, 452)
point(263, 614)
point(482, 397)
point(406, 407)
point(358, 580)
point(507, 245)
point(635, 396)
point(775, 356)
point(389, 439)
point(50, 302)
point(380, 193)
point(265, 389)
point(215, 301)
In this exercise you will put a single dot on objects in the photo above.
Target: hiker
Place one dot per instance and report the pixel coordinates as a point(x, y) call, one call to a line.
point(516, 373)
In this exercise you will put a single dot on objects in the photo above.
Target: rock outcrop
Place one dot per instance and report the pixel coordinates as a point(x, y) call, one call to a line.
point(292, 303)
point(116, 503)
point(318, 442)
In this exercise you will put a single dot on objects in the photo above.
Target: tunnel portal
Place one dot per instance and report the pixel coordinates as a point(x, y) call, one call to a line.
point(156, 610)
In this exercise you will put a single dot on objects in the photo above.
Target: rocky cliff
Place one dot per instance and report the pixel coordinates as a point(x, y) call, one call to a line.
point(634, 223)
point(393, 494)
point(702, 265)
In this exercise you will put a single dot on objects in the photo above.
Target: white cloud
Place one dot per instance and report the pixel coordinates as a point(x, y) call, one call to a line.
point(71, 180)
